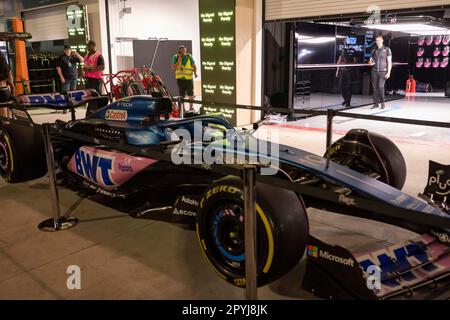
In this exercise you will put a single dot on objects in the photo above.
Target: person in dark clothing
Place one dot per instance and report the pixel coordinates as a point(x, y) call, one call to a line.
point(66, 67)
point(94, 64)
point(7, 88)
point(345, 76)
point(381, 62)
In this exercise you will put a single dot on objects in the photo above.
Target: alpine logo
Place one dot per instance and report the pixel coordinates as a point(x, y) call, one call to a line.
point(95, 168)
point(116, 115)
point(315, 252)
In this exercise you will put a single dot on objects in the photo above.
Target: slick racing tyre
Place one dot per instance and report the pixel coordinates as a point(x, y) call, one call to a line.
point(282, 230)
point(22, 153)
point(371, 154)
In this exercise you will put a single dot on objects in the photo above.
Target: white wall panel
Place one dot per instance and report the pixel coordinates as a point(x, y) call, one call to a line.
point(287, 9)
point(46, 24)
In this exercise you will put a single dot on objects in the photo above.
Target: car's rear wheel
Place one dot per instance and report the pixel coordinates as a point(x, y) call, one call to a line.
point(22, 153)
point(282, 230)
point(371, 154)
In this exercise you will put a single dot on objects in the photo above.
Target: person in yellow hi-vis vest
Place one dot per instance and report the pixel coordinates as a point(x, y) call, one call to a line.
point(185, 69)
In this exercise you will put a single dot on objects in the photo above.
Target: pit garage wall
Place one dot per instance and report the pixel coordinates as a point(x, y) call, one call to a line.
point(156, 18)
point(172, 19)
point(179, 20)
point(288, 9)
point(248, 58)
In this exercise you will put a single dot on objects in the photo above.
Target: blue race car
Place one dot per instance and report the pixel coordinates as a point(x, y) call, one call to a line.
point(360, 175)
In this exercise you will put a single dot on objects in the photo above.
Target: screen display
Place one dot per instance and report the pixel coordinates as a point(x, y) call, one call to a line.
point(316, 43)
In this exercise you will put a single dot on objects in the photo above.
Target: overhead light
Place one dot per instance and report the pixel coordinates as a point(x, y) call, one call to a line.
point(126, 39)
point(411, 28)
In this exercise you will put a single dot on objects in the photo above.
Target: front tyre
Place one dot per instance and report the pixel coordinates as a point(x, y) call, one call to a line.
point(370, 153)
point(282, 230)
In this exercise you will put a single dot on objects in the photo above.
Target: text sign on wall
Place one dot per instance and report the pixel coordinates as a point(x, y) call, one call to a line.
point(78, 32)
point(218, 55)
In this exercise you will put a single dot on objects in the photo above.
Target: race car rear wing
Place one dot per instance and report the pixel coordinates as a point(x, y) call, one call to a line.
point(55, 101)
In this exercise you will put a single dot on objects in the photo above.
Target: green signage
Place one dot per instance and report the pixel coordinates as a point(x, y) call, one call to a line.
point(77, 28)
point(218, 54)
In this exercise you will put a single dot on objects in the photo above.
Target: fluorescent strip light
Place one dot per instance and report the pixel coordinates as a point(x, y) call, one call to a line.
point(412, 28)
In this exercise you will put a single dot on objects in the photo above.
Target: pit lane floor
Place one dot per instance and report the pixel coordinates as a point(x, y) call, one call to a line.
point(125, 258)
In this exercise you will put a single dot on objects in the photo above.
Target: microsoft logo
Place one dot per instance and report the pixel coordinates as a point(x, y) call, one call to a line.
point(313, 251)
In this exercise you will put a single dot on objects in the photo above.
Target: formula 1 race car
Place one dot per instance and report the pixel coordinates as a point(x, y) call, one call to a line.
point(360, 175)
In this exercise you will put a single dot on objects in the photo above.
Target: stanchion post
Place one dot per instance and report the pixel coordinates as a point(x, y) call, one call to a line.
point(57, 222)
point(250, 232)
point(330, 116)
point(181, 107)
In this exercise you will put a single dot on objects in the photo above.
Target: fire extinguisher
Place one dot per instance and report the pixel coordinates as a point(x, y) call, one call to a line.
point(413, 85)
point(410, 85)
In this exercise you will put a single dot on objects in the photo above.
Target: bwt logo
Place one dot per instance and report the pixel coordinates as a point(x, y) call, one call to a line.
point(93, 167)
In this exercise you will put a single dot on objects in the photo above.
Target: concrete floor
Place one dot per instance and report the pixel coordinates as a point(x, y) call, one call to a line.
point(124, 258)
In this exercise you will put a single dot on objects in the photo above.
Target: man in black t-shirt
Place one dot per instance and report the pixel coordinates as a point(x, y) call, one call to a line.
point(67, 69)
point(381, 62)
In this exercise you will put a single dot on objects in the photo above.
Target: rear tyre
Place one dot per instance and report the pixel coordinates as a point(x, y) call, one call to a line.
point(370, 153)
point(137, 88)
point(282, 230)
point(22, 153)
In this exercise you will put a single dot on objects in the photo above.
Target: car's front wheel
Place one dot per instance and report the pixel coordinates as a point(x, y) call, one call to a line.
point(371, 154)
point(282, 230)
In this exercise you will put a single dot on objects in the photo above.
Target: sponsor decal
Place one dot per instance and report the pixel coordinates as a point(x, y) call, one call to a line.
point(125, 104)
point(116, 115)
point(226, 189)
point(125, 167)
point(184, 212)
point(107, 169)
point(438, 181)
point(346, 200)
point(239, 282)
point(56, 98)
point(187, 200)
point(443, 237)
point(315, 252)
point(94, 167)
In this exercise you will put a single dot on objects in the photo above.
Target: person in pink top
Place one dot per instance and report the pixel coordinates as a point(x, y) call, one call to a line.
point(94, 64)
